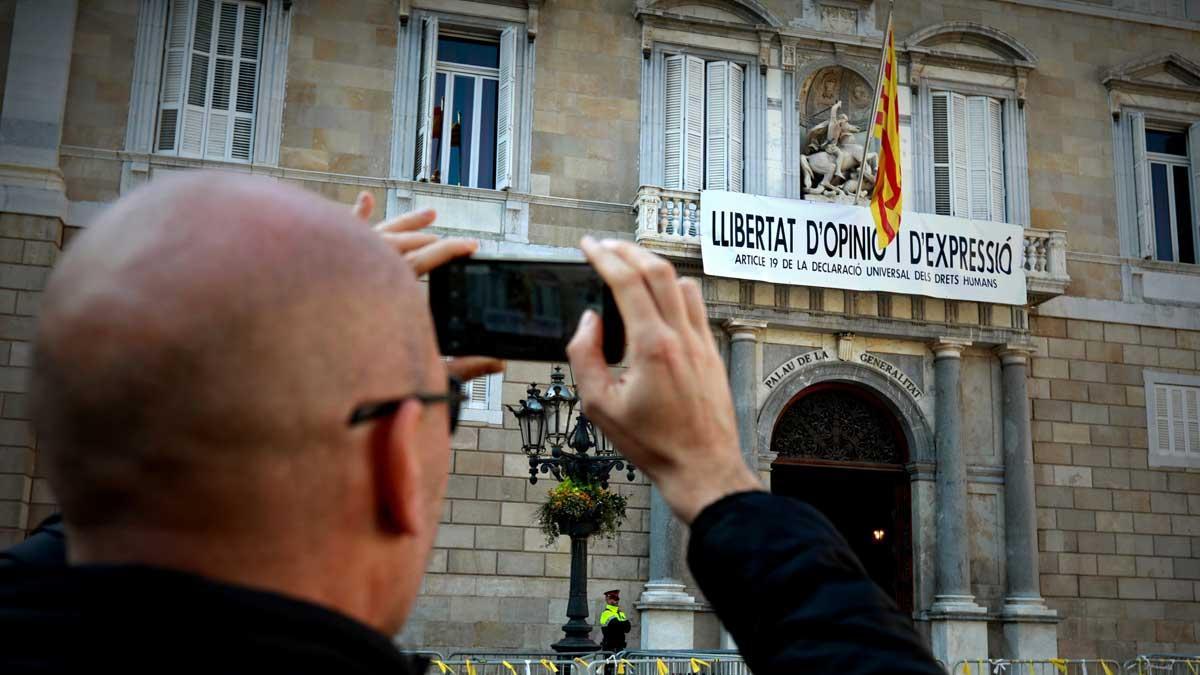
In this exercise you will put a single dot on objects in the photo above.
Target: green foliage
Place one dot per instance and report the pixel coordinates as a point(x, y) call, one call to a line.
point(571, 505)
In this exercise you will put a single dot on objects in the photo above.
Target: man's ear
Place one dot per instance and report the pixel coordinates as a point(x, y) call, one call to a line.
point(398, 471)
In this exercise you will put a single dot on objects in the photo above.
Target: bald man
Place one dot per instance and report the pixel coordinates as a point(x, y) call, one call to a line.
point(246, 421)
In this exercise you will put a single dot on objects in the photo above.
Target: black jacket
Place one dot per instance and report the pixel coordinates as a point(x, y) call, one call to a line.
point(130, 619)
point(792, 594)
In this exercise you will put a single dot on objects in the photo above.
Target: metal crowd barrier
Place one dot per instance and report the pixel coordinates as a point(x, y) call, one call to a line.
point(1164, 664)
point(509, 665)
point(1038, 667)
point(522, 655)
point(677, 664)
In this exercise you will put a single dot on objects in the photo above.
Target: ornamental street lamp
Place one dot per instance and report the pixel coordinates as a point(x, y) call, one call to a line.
point(582, 454)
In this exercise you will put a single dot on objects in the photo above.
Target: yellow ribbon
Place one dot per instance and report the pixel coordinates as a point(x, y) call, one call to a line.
point(662, 668)
point(966, 668)
point(510, 667)
point(549, 666)
point(1192, 666)
point(696, 663)
point(621, 666)
point(581, 662)
point(469, 668)
point(1060, 665)
point(443, 667)
point(1032, 670)
point(1107, 670)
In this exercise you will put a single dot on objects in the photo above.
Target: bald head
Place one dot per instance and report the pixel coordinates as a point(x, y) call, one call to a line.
point(205, 341)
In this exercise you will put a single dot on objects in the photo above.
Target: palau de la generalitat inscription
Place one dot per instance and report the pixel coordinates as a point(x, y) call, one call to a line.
point(787, 368)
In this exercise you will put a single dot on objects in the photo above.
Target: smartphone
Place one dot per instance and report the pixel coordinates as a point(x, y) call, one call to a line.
point(518, 308)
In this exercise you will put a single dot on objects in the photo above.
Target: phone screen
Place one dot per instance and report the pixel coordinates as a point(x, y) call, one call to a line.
point(517, 308)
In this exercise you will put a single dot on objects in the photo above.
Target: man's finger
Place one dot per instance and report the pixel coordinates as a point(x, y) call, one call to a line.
point(697, 313)
point(364, 206)
point(408, 222)
point(629, 289)
point(470, 367)
point(439, 253)
point(586, 355)
point(659, 276)
point(403, 242)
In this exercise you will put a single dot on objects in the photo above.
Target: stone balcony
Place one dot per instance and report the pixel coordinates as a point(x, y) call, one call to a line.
point(668, 222)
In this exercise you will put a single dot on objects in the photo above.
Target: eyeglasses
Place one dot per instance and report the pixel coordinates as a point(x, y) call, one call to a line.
point(452, 398)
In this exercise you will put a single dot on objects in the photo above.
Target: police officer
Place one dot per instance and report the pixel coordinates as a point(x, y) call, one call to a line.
point(613, 623)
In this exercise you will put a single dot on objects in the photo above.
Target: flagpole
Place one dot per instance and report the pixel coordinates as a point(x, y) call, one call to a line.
point(862, 163)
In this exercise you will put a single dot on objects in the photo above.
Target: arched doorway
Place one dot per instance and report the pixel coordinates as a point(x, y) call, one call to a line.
point(840, 448)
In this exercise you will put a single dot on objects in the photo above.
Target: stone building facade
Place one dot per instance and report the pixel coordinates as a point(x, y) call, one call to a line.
point(1033, 470)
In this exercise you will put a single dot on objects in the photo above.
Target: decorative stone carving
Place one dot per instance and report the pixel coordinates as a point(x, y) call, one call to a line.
point(837, 424)
point(835, 105)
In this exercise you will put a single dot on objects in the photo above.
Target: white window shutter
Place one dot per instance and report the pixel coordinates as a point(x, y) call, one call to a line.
point(246, 88)
point(505, 102)
point(996, 158)
point(960, 170)
point(476, 392)
point(737, 120)
point(942, 191)
point(1141, 183)
point(1194, 158)
point(195, 109)
point(979, 187)
point(1162, 420)
point(170, 95)
point(673, 105)
point(716, 159)
point(1191, 412)
point(693, 119)
point(425, 101)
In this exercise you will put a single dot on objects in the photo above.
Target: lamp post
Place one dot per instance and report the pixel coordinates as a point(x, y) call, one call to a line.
point(581, 453)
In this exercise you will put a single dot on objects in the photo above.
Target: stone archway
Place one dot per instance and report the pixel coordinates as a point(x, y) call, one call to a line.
point(915, 427)
point(857, 446)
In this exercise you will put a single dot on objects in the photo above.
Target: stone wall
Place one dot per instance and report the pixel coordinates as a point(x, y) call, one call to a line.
point(29, 245)
point(341, 72)
point(1119, 541)
point(587, 101)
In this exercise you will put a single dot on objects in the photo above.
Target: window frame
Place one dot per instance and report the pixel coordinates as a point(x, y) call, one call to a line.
point(406, 119)
point(1171, 162)
point(1013, 141)
point(653, 117)
point(237, 57)
point(489, 411)
point(967, 163)
point(141, 130)
point(1152, 379)
point(479, 73)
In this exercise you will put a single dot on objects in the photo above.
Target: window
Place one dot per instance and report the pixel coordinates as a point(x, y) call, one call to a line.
point(483, 400)
point(704, 114)
point(1166, 192)
point(465, 107)
point(1173, 418)
point(210, 73)
point(968, 156)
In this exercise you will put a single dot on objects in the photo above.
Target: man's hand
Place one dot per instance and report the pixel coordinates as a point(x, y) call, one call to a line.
point(670, 412)
point(425, 251)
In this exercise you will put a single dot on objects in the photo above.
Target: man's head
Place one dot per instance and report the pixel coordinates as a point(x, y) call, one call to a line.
point(199, 351)
point(612, 597)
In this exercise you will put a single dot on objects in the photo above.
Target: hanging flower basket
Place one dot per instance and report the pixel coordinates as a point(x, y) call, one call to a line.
point(580, 510)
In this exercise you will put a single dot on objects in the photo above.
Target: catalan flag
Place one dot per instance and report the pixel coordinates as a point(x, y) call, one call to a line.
point(886, 200)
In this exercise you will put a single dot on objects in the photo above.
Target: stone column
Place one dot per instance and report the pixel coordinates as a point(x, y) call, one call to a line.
point(33, 203)
point(1029, 630)
point(959, 627)
point(668, 612)
point(743, 379)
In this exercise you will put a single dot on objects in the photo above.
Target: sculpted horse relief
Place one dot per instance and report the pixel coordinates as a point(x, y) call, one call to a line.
point(831, 153)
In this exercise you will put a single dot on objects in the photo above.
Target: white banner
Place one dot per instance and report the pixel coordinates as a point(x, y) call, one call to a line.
point(788, 241)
